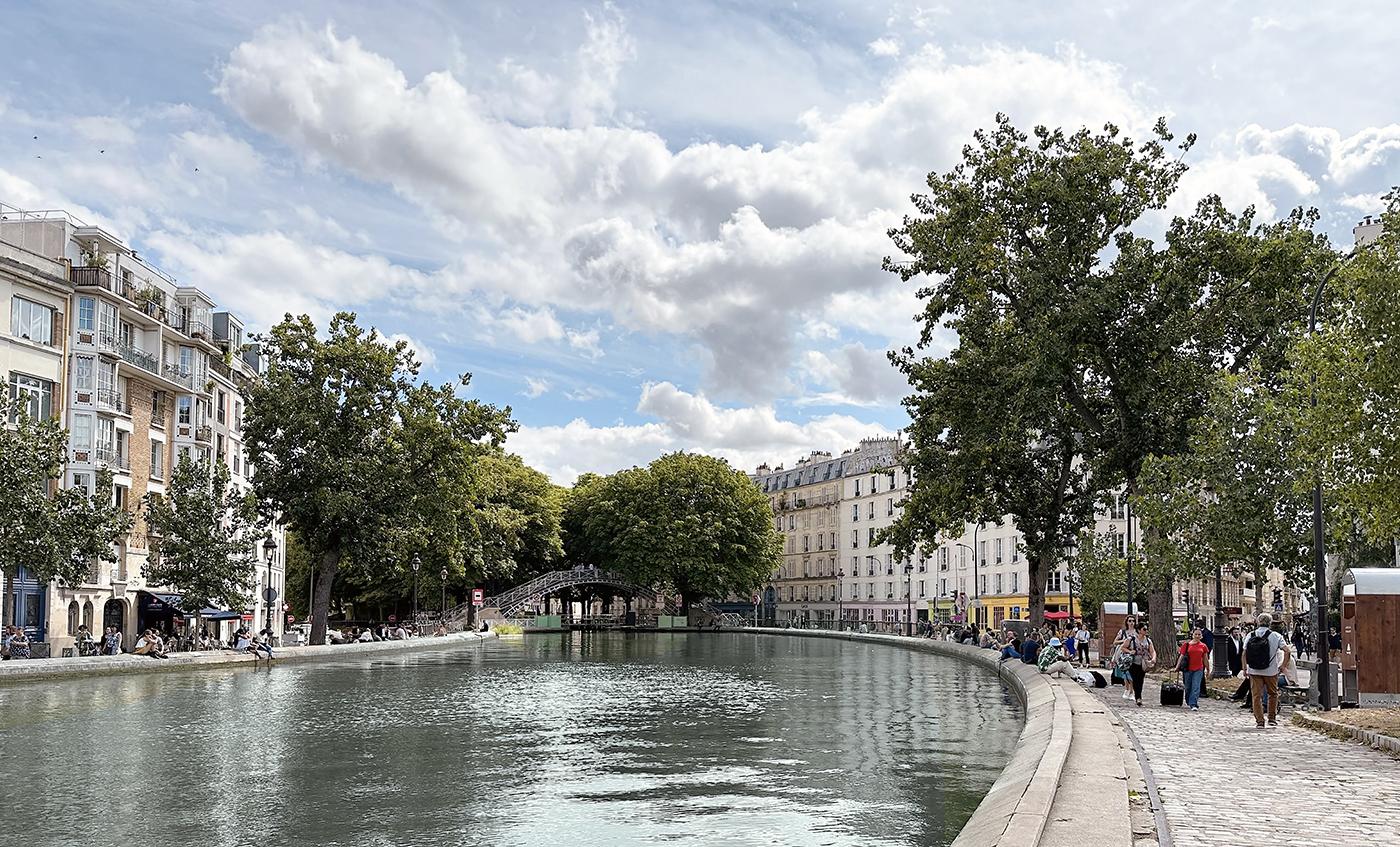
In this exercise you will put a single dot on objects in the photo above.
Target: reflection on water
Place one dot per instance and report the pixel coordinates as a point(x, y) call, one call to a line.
point(582, 739)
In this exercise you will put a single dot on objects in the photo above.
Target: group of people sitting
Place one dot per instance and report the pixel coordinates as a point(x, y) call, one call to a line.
point(381, 632)
point(14, 644)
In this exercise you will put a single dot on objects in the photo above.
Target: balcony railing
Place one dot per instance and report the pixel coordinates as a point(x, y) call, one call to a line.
point(92, 277)
point(113, 399)
point(177, 374)
point(199, 329)
point(110, 457)
point(140, 358)
point(204, 433)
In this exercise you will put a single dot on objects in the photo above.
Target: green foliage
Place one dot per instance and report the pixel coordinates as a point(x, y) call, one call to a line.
point(1100, 573)
point(1234, 497)
point(1031, 259)
point(1352, 437)
point(518, 512)
point(204, 534)
point(687, 522)
point(52, 532)
point(365, 464)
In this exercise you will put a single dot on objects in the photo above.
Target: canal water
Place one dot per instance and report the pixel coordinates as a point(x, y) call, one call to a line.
point(604, 739)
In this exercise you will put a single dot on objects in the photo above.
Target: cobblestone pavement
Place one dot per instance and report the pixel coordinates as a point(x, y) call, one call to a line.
point(1225, 783)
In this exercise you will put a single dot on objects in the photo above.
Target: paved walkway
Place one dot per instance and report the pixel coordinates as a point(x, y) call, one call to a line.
point(1224, 783)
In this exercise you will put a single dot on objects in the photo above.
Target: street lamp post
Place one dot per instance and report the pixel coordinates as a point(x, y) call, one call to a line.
point(976, 583)
point(840, 622)
point(443, 614)
point(908, 599)
point(1324, 670)
point(1220, 657)
point(416, 565)
point(269, 595)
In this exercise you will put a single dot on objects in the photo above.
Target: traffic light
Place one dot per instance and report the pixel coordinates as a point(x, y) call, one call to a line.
point(1186, 596)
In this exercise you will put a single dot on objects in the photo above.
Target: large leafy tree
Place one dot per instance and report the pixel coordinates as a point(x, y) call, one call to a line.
point(979, 450)
point(686, 522)
point(204, 533)
point(360, 460)
point(518, 514)
point(53, 532)
point(1034, 235)
point(1234, 498)
point(1351, 438)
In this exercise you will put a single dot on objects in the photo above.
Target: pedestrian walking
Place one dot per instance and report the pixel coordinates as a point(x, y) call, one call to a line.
point(1234, 652)
point(1144, 655)
point(1192, 664)
point(1263, 656)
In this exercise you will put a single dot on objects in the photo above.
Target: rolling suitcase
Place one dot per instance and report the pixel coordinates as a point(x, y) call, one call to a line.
point(1172, 694)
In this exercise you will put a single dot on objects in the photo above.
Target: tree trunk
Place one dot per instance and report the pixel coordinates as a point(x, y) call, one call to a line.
point(1259, 573)
point(321, 604)
point(1162, 626)
point(1035, 586)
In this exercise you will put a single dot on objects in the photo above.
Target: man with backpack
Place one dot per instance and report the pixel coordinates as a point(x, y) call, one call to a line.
point(1263, 654)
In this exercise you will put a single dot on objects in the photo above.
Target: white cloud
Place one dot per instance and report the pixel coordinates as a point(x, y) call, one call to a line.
point(745, 436)
point(585, 341)
point(855, 375)
point(535, 387)
point(710, 240)
point(884, 47)
point(531, 325)
point(422, 352)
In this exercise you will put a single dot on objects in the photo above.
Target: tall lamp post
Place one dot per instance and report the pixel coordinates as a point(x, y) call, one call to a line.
point(976, 583)
point(908, 599)
point(443, 614)
point(840, 621)
point(269, 593)
point(416, 564)
point(1324, 670)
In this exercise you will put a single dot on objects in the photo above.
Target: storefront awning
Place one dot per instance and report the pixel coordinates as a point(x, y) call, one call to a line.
point(210, 614)
point(1056, 616)
point(168, 599)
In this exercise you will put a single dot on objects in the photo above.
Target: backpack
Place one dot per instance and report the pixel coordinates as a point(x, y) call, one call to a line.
point(1259, 651)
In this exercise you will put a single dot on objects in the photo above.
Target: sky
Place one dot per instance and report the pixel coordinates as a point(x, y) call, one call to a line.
point(644, 226)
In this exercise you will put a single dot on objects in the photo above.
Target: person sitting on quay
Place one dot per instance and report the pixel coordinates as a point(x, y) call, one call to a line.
point(399, 634)
point(1011, 648)
point(1030, 648)
point(149, 644)
point(366, 636)
point(16, 644)
point(257, 646)
point(1053, 660)
point(111, 642)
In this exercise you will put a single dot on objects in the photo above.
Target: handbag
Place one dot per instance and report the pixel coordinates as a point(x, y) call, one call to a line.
point(1182, 662)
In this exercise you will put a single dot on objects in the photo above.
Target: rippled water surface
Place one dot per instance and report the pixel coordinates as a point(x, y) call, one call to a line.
point(581, 739)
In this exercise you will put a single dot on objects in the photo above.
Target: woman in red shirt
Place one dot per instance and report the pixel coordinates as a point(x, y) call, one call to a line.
point(1195, 668)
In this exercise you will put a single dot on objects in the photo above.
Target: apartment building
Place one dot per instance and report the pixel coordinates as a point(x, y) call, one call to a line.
point(876, 585)
point(136, 387)
point(34, 297)
point(805, 500)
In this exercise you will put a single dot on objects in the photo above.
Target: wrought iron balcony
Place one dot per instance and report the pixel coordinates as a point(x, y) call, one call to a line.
point(109, 456)
point(179, 375)
point(113, 399)
point(204, 433)
point(140, 358)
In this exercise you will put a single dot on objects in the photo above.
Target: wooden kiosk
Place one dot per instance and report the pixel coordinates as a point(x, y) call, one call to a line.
point(1111, 618)
point(1371, 636)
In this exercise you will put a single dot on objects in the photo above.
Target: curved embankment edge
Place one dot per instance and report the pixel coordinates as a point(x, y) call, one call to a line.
point(88, 666)
point(1068, 740)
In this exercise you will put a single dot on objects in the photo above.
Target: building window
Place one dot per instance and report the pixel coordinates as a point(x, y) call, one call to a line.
point(1015, 549)
point(855, 538)
point(889, 591)
point(943, 558)
point(31, 320)
point(107, 435)
point(223, 402)
point(182, 407)
point(237, 415)
point(158, 408)
point(81, 435)
point(855, 511)
point(107, 321)
point(998, 583)
point(73, 617)
point(83, 481)
point(872, 510)
point(870, 537)
point(85, 312)
point(82, 373)
point(874, 484)
point(36, 396)
point(87, 610)
point(1015, 583)
point(889, 506)
point(982, 583)
point(996, 548)
point(857, 490)
point(982, 552)
point(921, 588)
point(157, 459)
point(1053, 584)
point(942, 587)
